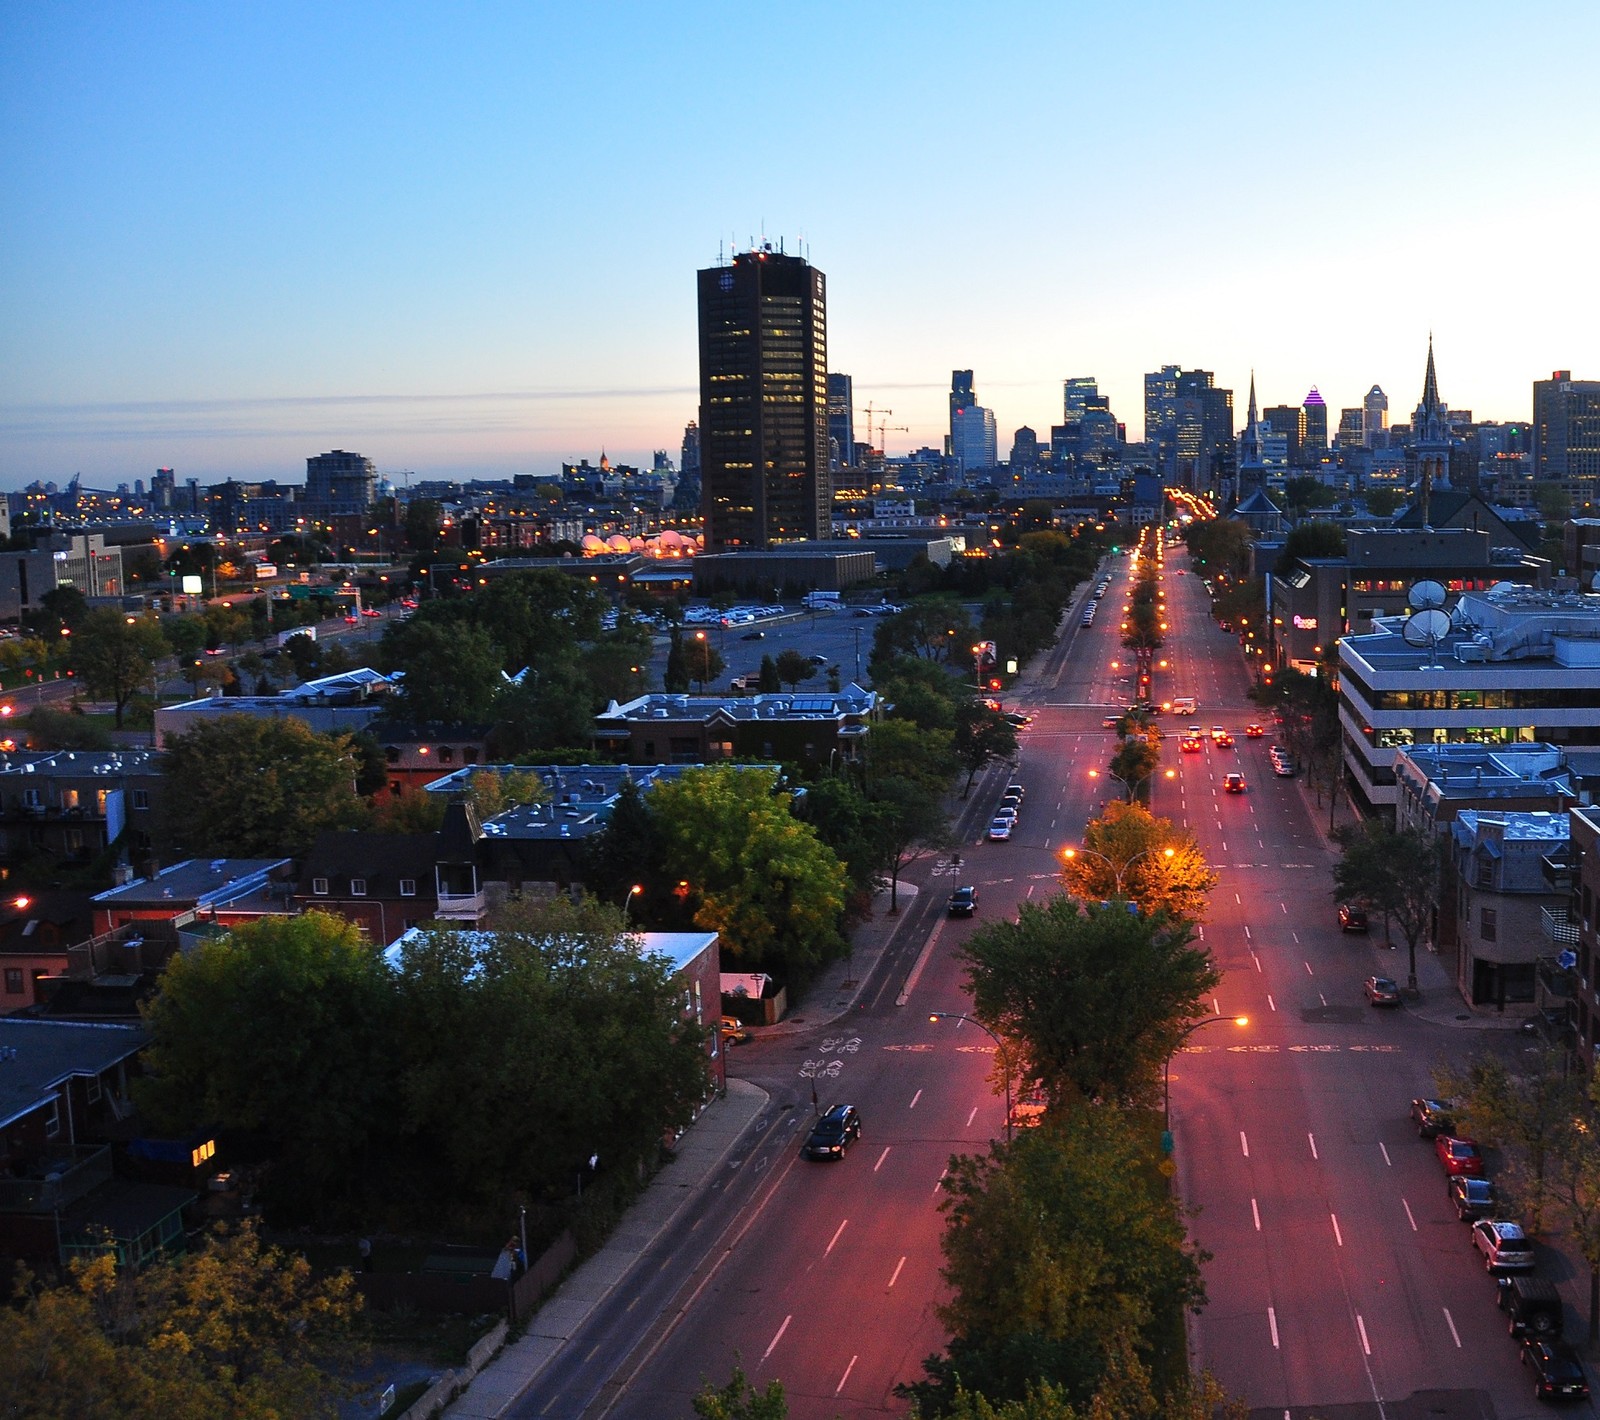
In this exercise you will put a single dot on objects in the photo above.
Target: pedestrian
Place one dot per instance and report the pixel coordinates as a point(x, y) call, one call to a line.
point(364, 1247)
point(506, 1263)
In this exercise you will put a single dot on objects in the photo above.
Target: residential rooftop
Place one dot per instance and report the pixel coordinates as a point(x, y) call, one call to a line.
point(37, 1056)
point(1516, 826)
point(203, 882)
point(78, 761)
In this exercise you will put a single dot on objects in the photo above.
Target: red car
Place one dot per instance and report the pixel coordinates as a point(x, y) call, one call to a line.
point(1460, 1157)
point(1253, 732)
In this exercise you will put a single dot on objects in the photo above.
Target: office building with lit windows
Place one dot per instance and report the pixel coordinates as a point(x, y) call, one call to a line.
point(764, 473)
point(1566, 427)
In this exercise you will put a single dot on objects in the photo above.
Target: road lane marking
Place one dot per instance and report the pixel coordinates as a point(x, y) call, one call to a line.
point(1244, 1144)
point(896, 1277)
point(835, 1238)
point(1272, 1323)
point(779, 1337)
point(938, 1183)
point(1282, 906)
point(1361, 1326)
point(1409, 1218)
point(1238, 899)
point(914, 1099)
point(1450, 1321)
point(1313, 1139)
point(972, 1116)
point(1256, 960)
point(1309, 971)
point(1247, 934)
point(1256, 1214)
point(1296, 937)
point(1322, 998)
point(1382, 1149)
point(885, 1154)
point(1271, 1004)
point(1338, 1237)
point(845, 1376)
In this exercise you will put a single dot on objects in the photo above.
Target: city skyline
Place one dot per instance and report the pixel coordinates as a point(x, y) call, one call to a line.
point(466, 245)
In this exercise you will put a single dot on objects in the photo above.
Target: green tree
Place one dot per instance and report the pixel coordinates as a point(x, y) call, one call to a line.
point(1130, 854)
point(424, 520)
point(1136, 759)
point(1396, 872)
point(237, 1328)
point(62, 608)
point(850, 825)
point(739, 1400)
point(1062, 1241)
point(769, 682)
point(1315, 538)
point(1382, 502)
point(553, 1005)
point(1575, 1182)
point(755, 872)
point(50, 728)
point(242, 787)
point(702, 661)
point(675, 678)
point(452, 673)
point(629, 851)
point(981, 736)
point(282, 1028)
point(409, 811)
point(910, 821)
point(899, 749)
point(115, 655)
point(1093, 1000)
point(793, 667)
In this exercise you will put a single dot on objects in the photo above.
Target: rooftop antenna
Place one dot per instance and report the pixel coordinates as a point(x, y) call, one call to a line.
point(1429, 624)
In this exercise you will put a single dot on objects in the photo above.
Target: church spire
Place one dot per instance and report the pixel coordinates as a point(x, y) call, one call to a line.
point(1253, 390)
point(1430, 383)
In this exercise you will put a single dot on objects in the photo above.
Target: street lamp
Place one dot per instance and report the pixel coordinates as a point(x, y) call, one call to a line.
point(627, 902)
point(1000, 1046)
point(1118, 872)
point(1166, 1065)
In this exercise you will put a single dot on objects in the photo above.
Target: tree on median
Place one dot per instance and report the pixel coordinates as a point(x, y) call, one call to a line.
point(1131, 854)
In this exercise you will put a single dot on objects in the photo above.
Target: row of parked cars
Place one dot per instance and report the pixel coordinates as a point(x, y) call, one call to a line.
point(1533, 1306)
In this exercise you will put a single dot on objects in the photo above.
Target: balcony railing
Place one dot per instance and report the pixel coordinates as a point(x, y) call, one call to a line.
point(1559, 929)
point(461, 907)
point(55, 1181)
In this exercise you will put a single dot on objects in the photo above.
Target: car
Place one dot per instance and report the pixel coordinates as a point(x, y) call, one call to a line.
point(754, 636)
point(1284, 768)
point(963, 902)
point(833, 1133)
point(1557, 1371)
point(1015, 791)
point(1110, 722)
point(1505, 1247)
point(1224, 740)
point(1352, 918)
point(817, 660)
point(1432, 1117)
point(1015, 717)
point(733, 1031)
point(1217, 732)
point(1532, 1304)
point(1196, 731)
point(1472, 1198)
point(1007, 811)
point(1381, 991)
point(1000, 830)
point(1253, 732)
point(353, 619)
point(1190, 744)
point(1233, 783)
point(371, 611)
point(1459, 1156)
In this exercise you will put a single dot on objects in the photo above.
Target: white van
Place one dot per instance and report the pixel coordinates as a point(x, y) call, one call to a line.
point(1184, 705)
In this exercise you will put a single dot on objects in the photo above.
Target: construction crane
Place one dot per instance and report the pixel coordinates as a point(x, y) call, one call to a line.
point(883, 425)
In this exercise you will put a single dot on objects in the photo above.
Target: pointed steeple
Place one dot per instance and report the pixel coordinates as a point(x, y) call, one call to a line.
point(1430, 383)
point(1252, 417)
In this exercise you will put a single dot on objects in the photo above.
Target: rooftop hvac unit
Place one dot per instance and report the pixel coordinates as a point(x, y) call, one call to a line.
point(1472, 651)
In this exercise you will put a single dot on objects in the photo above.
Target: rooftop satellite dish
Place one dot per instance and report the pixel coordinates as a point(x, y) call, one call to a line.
point(1594, 582)
point(1426, 595)
point(1427, 627)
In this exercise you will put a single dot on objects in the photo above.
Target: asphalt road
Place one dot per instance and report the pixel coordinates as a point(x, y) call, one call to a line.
point(1340, 1285)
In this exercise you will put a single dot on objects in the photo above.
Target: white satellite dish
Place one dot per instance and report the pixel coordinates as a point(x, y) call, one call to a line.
point(1427, 627)
point(1425, 595)
point(1594, 582)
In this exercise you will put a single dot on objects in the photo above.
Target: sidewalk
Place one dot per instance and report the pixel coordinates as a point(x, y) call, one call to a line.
point(701, 1152)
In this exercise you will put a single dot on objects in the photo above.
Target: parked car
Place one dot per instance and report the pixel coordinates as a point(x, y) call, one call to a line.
point(754, 636)
point(733, 1031)
point(1532, 1304)
point(1015, 791)
point(1381, 991)
point(1557, 1371)
point(1432, 1117)
point(964, 902)
point(1000, 830)
point(1473, 1198)
point(1505, 1247)
point(1352, 918)
point(1459, 1156)
point(831, 1135)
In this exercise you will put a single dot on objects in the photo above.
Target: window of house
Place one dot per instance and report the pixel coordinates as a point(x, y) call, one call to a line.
point(446, 754)
point(411, 922)
point(141, 798)
point(52, 1119)
point(1488, 923)
point(69, 798)
point(74, 840)
point(358, 887)
point(1485, 876)
point(91, 1091)
point(408, 887)
point(319, 886)
point(469, 756)
point(13, 981)
point(392, 754)
point(30, 797)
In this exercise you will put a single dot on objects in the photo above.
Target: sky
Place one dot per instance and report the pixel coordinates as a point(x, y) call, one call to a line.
point(462, 239)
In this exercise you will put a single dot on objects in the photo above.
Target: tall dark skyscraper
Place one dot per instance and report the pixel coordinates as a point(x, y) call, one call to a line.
point(764, 401)
point(961, 397)
point(1316, 433)
point(842, 418)
point(1566, 427)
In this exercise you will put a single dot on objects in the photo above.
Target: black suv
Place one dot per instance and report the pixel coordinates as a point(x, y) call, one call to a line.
point(963, 902)
point(832, 1134)
point(1533, 1305)
point(1473, 1197)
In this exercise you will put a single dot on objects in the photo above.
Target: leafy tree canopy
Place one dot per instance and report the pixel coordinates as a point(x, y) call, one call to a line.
point(1129, 853)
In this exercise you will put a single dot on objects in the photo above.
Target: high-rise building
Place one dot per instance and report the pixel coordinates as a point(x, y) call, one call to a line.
point(338, 482)
point(961, 397)
point(1188, 425)
point(1024, 450)
point(1076, 392)
point(1566, 427)
point(1352, 428)
point(841, 421)
point(689, 459)
point(1314, 437)
point(764, 401)
point(972, 439)
point(1375, 417)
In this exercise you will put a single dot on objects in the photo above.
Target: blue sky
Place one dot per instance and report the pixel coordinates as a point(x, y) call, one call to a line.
point(462, 239)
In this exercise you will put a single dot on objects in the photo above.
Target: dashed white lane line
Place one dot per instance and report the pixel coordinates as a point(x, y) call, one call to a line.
point(896, 1276)
point(1338, 1237)
point(779, 1337)
point(914, 1099)
point(1409, 1218)
point(1383, 1149)
point(845, 1376)
point(885, 1153)
point(1361, 1326)
point(1244, 1144)
point(1256, 1214)
point(837, 1233)
point(1309, 971)
point(1271, 1004)
point(1450, 1321)
point(1272, 1325)
point(1312, 1140)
